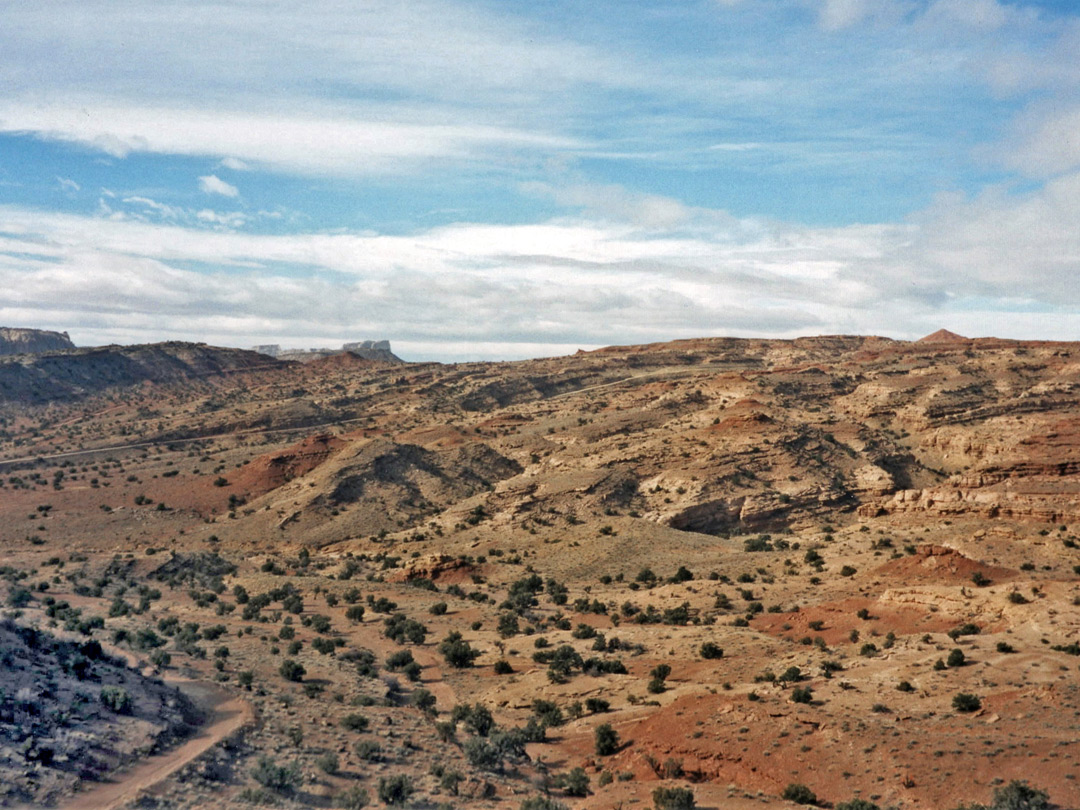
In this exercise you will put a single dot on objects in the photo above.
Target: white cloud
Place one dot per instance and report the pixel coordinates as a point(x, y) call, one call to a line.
point(1044, 142)
point(165, 211)
point(212, 184)
point(230, 219)
point(317, 145)
point(617, 203)
point(67, 185)
point(235, 164)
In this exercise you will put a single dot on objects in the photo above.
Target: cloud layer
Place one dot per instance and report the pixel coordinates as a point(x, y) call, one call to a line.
point(619, 273)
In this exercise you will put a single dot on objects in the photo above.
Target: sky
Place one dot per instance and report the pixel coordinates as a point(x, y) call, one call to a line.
point(501, 180)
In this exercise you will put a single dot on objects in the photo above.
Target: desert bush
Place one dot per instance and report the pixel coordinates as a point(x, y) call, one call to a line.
point(857, 804)
point(355, 722)
point(423, 699)
point(368, 750)
point(354, 613)
point(117, 698)
point(476, 718)
point(965, 702)
point(799, 793)
point(712, 651)
point(967, 629)
point(956, 658)
point(548, 713)
point(279, 778)
point(575, 782)
point(802, 695)
point(292, 670)
point(606, 740)
point(673, 798)
point(395, 789)
point(328, 762)
point(458, 652)
point(355, 798)
point(542, 803)
point(402, 629)
point(597, 705)
point(1019, 795)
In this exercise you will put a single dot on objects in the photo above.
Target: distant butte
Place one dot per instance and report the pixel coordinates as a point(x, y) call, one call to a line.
point(943, 336)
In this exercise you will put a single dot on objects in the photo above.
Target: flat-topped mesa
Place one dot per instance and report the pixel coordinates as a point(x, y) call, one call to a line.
point(367, 345)
point(32, 341)
point(367, 349)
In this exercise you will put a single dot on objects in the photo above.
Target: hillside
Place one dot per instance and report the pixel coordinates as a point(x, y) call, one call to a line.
point(76, 373)
point(844, 563)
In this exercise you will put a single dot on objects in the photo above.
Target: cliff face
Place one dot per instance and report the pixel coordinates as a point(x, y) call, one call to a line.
point(30, 341)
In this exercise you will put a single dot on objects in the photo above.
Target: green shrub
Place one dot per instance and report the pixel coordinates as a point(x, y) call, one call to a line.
point(802, 695)
point(328, 762)
point(458, 652)
point(1019, 795)
point(355, 798)
point(673, 798)
point(279, 778)
point(355, 613)
point(355, 722)
point(368, 750)
point(712, 651)
point(607, 740)
point(857, 804)
point(595, 705)
point(575, 782)
point(965, 702)
point(395, 789)
point(799, 793)
point(117, 698)
point(542, 803)
point(292, 670)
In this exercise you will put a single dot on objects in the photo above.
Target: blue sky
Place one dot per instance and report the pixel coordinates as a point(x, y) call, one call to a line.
point(498, 180)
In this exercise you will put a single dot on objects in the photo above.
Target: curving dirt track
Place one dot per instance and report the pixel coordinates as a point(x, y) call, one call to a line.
point(226, 713)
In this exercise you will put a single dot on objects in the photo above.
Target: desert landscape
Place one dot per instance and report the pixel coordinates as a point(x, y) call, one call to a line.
point(726, 573)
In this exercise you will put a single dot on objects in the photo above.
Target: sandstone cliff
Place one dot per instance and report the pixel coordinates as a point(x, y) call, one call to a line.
point(30, 341)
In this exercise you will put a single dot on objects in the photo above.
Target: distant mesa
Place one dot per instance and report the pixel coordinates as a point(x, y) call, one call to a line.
point(32, 341)
point(943, 336)
point(367, 349)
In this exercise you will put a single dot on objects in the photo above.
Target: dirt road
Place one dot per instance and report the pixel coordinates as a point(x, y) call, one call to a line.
point(226, 714)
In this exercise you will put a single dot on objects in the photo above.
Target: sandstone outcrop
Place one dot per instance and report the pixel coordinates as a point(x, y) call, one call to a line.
point(32, 341)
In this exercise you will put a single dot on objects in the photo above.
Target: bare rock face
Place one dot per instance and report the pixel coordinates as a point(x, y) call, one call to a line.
point(31, 341)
